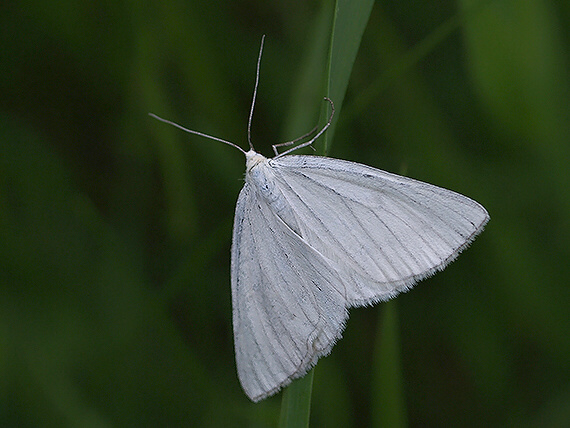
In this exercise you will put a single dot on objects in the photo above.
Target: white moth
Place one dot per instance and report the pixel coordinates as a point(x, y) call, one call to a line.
point(315, 236)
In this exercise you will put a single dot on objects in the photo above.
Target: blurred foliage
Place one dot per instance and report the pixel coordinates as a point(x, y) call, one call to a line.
point(115, 229)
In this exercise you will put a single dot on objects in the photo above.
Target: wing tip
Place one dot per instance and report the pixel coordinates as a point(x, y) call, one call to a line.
point(307, 364)
point(406, 284)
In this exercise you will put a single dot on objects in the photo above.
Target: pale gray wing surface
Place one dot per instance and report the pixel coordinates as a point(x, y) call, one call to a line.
point(383, 232)
point(286, 313)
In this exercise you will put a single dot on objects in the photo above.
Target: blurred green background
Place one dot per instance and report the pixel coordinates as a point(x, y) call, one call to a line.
point(115, 229)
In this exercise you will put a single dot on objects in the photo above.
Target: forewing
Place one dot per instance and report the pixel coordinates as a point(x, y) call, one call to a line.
point(383, 232)
point(286, 311)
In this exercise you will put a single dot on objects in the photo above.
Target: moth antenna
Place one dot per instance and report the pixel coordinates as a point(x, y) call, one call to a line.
point(254, 93)
point(201, 134)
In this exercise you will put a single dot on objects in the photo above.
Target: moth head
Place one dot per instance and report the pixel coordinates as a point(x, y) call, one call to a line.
point(252, 159)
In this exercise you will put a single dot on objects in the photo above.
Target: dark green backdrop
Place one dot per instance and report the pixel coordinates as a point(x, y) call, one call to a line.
point(115, 229)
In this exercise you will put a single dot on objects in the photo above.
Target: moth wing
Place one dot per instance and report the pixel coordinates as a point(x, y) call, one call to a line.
point(382, 232)
point(286, 313)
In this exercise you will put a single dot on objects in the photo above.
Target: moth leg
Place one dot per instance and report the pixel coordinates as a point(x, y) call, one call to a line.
point(312, 140)
point(290, 143)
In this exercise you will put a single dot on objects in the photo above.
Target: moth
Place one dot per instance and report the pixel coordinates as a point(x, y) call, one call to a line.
point(314, 236)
